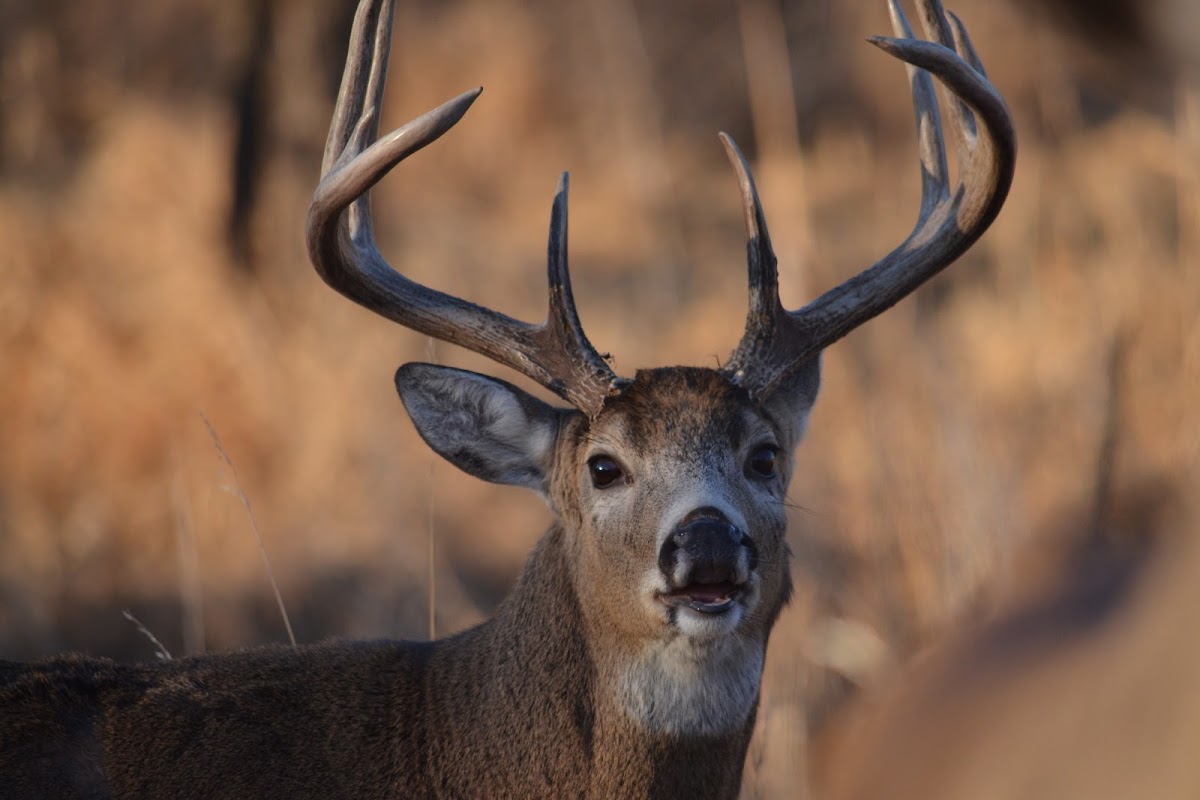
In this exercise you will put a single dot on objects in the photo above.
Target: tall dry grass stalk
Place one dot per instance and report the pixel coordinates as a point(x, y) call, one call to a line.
point(240, 493)
point(431, 357)
point(190, 588)
point(160, 650)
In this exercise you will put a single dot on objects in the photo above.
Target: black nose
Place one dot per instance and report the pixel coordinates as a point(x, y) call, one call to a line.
point(711, 544)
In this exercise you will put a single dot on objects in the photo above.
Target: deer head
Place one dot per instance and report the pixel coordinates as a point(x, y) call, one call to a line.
point(669, 487)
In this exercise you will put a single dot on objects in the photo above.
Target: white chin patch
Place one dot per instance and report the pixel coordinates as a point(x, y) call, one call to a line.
point(694, 685)
point(700, 626)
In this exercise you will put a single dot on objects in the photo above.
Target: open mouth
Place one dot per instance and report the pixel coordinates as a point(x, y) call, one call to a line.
point(707, 598)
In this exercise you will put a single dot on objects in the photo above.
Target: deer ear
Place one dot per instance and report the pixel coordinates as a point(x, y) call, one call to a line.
point(792, 400)
point(483, 426)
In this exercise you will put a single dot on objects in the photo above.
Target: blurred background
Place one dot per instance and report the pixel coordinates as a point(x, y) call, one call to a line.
point(177, 384)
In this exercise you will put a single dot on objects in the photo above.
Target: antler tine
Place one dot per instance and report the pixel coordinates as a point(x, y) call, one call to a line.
point(948, 223)
point(937, 29)
point(963, 45)
point(362, 85)
point(931, 148)
point(763, 272)
point(555, 354)
point(586, 380)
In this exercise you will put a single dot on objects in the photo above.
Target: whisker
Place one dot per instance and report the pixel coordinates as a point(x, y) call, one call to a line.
point(787, 502)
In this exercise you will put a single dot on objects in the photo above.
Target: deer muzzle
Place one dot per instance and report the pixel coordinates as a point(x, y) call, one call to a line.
point(707, 561)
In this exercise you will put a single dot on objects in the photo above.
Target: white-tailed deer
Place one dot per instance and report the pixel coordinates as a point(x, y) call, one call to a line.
point(626, 660)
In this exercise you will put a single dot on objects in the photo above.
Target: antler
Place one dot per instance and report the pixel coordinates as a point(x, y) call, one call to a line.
point(776, 341)
point(342, 247)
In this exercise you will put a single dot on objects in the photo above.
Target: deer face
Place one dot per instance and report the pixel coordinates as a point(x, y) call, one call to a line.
point(676, 494)
point(672, 496)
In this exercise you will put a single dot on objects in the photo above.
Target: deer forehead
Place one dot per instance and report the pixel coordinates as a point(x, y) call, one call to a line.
point(684, 415)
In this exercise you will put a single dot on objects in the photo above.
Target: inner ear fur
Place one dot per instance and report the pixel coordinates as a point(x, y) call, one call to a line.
point(484, 426)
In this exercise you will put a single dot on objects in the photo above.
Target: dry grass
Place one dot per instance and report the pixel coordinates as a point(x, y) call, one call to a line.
point(979, 417)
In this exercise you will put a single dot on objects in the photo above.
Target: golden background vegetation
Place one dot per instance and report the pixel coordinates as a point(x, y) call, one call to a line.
point(155, 166)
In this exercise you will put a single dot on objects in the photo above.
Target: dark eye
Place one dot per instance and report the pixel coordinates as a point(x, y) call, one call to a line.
point(605, 471)
point(762, 462)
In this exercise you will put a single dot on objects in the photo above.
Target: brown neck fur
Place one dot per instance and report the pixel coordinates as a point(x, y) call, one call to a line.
point(523, 710)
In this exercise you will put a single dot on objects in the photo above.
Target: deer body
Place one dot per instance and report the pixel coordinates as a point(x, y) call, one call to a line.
point(553, 697)
point(507, 709)
point(626, 662)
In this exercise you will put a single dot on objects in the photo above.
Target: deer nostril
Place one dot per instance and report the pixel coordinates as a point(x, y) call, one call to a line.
point(751, 552)
point(666, 556)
